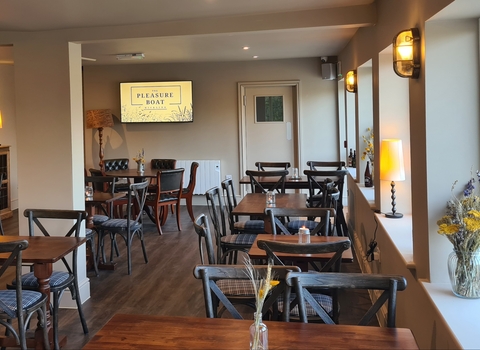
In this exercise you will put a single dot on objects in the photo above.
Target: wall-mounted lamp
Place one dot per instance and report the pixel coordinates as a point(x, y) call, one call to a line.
point(392, 168)
point(351, 81)
point(99, 119)
point(406, 53)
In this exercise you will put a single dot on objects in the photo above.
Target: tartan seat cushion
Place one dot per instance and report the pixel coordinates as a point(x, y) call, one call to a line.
point(242, 239)
point(58, 278)
point(250, 225)
point(120, 224)
point(8, 300)
point(294, 225)
point(243, 288)
point(99, 219)
point(324, 300)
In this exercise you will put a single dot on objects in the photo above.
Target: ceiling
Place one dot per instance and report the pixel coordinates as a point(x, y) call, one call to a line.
point(199, 30)
point(193, 30)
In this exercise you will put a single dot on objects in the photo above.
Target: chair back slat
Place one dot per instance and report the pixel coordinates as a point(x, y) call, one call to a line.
point(266, 166)
point(389, 284)
point(326, 165)
point(322, 215)
point(257, 187)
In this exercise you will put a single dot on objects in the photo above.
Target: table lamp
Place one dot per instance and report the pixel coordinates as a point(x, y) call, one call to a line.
point(1, 122)
point(99, 119)
point(392, 168)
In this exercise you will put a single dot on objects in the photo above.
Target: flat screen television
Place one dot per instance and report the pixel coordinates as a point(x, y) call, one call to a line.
point(156, 102)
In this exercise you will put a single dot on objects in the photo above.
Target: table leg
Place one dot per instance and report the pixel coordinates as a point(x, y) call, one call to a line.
point(43, 272)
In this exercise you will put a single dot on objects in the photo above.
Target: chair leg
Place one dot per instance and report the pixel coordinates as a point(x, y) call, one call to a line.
point(55, 320)
point(79, 307)
point(158, 223)
point(1, 228)
point(188, 201)
point(46, 341)
point(93, 248)
point(178, 216)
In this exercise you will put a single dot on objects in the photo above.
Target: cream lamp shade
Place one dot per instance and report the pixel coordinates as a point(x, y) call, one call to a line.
point(1, 120)
point(391, 160)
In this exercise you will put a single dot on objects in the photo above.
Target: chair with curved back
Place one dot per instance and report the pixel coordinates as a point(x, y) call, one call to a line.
point(187, 192)
point(328, 299)
point(272, 166)
point(227, 244)
point(326, 165)
point(332, 184)
point(277, 184)
point(388, 285)
point(236, 225)
point(38, 220)
point(162, 164)
point(168, 191)
point(20, 304)
point(129, 227)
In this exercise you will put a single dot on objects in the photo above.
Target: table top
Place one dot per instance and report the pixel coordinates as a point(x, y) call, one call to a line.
point(103, 197)
point(257, 253)
point(168, 332)
point(132, 173)
point(42, 249)
point(255, 203)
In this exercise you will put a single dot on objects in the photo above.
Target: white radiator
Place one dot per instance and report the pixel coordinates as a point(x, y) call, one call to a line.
point(208, 174)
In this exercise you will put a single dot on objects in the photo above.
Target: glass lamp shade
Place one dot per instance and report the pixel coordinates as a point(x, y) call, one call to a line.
point(406, 53)
point(351, 81)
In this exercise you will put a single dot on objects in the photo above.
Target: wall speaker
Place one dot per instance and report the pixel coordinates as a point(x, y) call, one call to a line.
point(328, 71)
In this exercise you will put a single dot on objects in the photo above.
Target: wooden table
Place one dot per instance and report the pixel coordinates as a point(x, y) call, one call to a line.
point(167, 332)
point(254, 204)
point(268, 181)
point(133, 174)
point(43, 252)
point(301, 260)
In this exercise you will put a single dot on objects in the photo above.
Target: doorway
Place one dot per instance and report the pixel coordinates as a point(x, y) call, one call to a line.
point(269, 123)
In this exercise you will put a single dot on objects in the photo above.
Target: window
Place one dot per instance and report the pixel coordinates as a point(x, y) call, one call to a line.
point(268, 109)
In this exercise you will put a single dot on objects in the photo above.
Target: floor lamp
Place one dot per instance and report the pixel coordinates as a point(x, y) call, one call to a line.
point(392, 168)
point(99, 119)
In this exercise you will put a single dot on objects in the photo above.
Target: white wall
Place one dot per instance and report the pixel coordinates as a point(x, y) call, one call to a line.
point(214, 132)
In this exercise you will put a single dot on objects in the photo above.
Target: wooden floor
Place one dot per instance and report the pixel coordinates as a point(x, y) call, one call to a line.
point(164, 286)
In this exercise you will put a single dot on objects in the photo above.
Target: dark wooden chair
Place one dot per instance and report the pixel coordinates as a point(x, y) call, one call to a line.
point(215, 278)
point(168, 191)
point(60, 280)
point(257, 187)
point(228, 244)
point(328, 299)
point(236, 225)
point(265, 166)
point(162, 164)
point(326, 165)
point(20, 304)
point(328, 193)
point(317, 220)
point(388, 284)
point(187, 192)
point(129, 227)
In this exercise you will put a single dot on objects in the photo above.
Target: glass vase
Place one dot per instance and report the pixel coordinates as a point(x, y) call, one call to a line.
point(140, 167)
point(258, 333)
point(464, 272)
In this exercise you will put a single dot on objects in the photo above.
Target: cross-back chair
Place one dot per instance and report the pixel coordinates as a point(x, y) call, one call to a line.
point(326, 190)
point(228, 244)
point(20, 304)
point(388, 284)
point(277, 185)
point(168, 191)
point(187, 192)
point(48, 222)
point(214, 278)
point(265, 166)
point(236, 225)
point(328, 299)
point(317, 220)
point(326, 165)
point(129, 227)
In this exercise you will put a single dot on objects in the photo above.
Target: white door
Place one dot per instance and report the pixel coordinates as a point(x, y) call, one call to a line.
point(270, 126)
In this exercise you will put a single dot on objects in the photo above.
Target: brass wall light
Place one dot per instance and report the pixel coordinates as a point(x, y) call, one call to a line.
point(351, 81)
point(406, 53)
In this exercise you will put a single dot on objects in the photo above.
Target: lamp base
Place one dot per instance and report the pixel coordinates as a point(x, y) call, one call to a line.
point(394, 215)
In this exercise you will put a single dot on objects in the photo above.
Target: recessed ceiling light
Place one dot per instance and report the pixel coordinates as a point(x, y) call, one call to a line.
point(246, 47)
point(131, 56)
point(255, 56)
